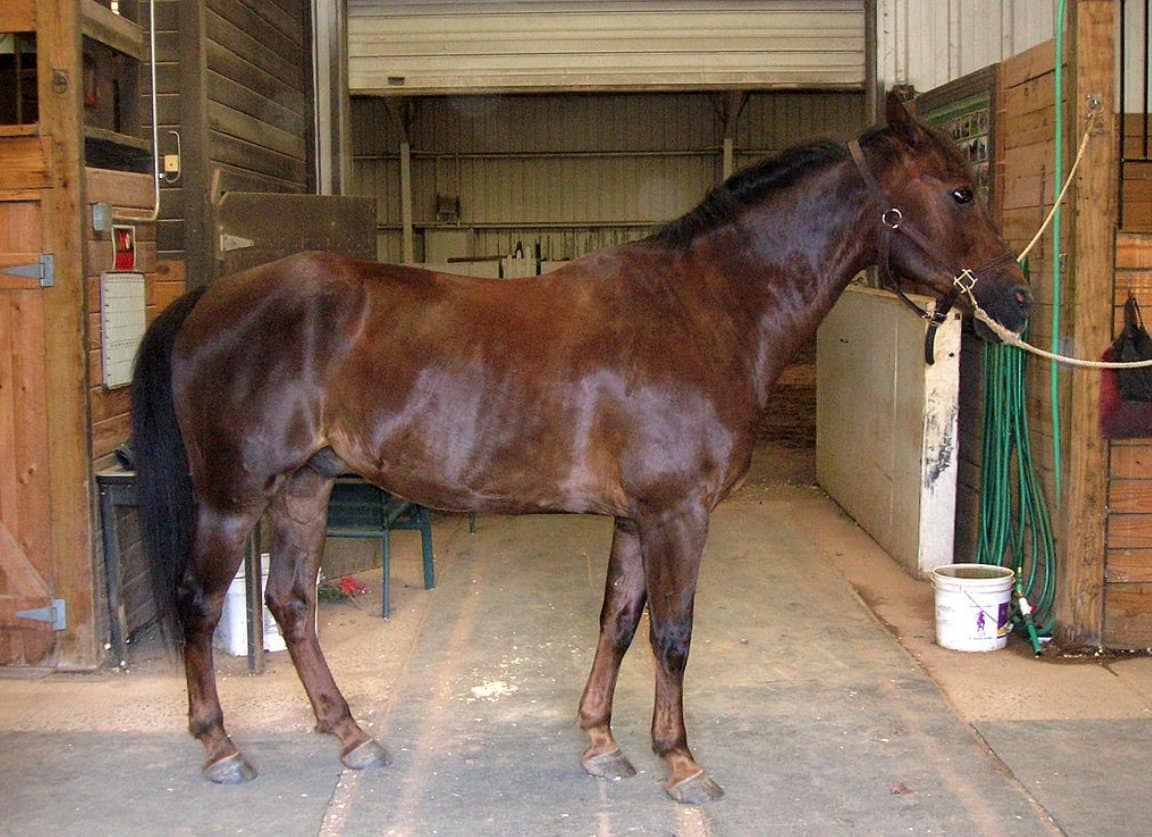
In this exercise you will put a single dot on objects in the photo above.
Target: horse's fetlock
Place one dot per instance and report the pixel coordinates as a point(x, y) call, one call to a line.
point(200, 727)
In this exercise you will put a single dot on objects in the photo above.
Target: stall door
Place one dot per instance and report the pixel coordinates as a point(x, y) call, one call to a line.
point(259, 227)
point(28, 613)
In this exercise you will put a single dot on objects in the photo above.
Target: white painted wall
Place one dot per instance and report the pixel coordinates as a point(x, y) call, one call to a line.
point(927, 43)
point(886, 434)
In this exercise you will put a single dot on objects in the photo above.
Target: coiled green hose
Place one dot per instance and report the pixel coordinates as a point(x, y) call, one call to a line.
point(1015, 528)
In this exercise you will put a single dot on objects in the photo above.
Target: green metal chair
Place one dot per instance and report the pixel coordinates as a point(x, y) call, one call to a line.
point(359, 509)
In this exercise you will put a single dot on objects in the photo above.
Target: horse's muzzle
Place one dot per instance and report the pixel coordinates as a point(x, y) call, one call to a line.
point(1009, 306)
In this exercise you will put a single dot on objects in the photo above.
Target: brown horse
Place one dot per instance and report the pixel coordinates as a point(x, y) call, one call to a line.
point(628, 383)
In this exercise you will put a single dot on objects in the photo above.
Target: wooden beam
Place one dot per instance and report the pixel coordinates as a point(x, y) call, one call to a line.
point(102, 24)
point(199, 219)
point(60, 88)
point(18, 16)
point(1080, 604)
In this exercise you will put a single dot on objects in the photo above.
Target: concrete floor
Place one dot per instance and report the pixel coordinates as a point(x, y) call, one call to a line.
point(816, 695)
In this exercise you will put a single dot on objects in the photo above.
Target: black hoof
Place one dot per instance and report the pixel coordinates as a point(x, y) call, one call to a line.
point(368, 754)
point(696, 790)
point(612, 765)
point(230, 770)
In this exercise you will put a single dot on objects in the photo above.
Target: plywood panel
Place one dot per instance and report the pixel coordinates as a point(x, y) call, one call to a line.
point(280, 224)
point(886, 425)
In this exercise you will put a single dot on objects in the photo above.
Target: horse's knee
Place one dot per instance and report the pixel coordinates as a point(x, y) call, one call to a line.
point(290, 607)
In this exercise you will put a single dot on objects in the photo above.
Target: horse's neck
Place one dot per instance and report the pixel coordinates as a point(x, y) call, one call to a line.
point(795, 256)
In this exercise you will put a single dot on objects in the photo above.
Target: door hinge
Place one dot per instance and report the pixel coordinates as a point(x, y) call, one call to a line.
point(229, 242)
point(43, 269)
point(56, 614)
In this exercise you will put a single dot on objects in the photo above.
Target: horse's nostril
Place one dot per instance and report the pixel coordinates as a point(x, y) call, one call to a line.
point(1023, 297)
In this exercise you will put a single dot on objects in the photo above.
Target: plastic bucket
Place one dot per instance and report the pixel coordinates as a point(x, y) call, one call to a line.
point(972, 603)
point(231, 634)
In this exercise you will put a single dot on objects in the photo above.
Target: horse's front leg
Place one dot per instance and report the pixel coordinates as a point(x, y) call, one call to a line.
point(624, 594)
point(297, 518)
point(672, 543)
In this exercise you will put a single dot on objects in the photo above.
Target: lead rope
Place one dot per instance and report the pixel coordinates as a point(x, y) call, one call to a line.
point(1011, 338)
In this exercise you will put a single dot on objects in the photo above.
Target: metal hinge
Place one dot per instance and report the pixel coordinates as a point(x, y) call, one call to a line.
point(56, 614)
point(44, 269)
point(229, 242)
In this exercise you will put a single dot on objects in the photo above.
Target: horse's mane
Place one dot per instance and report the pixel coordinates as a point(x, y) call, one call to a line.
point(752, 184)
point(746, 186)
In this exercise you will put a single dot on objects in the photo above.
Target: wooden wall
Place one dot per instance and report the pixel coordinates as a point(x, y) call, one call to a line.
point(234, 80)
point(1128, 559)
point(1136, 174)
point(1024, 171)
point(258, 91)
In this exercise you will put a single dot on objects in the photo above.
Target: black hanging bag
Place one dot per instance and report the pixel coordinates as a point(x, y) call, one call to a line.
point(1134, 344)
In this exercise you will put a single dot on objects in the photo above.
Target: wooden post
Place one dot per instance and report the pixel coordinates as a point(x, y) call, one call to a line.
point(199, 220)
point(1080, 603)
point(60, 91)
point(409, 248)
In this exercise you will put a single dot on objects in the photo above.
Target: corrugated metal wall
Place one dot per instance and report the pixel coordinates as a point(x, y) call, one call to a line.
point(422, 46)
point(927, 43)
point(573, 173)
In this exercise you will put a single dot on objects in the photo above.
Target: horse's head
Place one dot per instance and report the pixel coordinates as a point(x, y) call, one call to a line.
point(931, 228)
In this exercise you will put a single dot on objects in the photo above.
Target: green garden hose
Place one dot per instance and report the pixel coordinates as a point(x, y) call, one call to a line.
point(1015, 528)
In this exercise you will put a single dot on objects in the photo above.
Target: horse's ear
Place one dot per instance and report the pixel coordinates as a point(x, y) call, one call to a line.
point(902, 124)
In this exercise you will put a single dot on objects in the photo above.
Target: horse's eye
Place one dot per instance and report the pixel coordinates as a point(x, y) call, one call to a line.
point(962, 195)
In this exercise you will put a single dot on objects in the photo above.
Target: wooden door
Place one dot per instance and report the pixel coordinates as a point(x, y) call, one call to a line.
point(26, 560)
point(25, 500)
point(45, 470)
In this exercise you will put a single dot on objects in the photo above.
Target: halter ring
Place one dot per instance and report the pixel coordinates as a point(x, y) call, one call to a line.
point(892, 218)
point(965, 281)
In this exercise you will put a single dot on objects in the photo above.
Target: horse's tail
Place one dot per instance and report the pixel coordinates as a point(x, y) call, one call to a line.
point(164, 497)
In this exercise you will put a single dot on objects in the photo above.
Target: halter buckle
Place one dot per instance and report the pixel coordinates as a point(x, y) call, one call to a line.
point(891, 218)
point(965, 281)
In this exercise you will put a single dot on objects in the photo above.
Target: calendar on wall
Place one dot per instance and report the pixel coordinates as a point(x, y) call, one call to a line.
point(968, 122)
point(965, 110)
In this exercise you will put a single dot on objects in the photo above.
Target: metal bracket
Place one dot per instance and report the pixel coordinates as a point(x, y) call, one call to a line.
point(56, 614)
point(44, 269)
point(228, 243)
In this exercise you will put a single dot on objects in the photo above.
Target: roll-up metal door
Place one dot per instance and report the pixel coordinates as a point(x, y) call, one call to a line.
point(416, 47)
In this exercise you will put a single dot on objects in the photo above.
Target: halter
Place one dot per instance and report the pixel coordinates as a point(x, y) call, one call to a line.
point(892, 220)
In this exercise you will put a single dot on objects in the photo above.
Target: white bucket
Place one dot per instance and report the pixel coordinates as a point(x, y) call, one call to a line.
point(231, 634)
point(972, 604)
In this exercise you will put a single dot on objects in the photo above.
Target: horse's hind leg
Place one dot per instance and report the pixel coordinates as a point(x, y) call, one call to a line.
point(624, 594)
point(218, 548)
point(297, 519)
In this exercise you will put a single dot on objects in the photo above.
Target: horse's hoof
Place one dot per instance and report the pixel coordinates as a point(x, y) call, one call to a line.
point(368, 754)
point(608, 766)
point(230, 770)
point(696, 790)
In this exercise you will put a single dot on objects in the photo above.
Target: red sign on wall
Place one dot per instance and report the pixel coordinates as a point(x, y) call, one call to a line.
point(123, 248)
